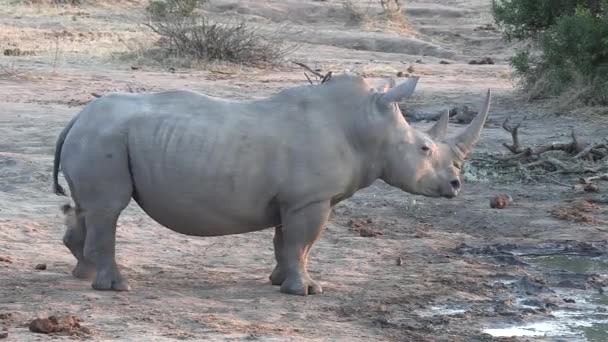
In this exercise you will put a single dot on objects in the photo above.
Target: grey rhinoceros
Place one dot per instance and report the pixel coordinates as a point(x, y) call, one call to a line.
point(207, 166)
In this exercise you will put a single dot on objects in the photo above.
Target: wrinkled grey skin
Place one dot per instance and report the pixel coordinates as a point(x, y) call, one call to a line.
point(204, 166)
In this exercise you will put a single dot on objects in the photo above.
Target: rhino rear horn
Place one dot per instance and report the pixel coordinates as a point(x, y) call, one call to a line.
point(465, 141)
point(401, 92)
point(440, 128)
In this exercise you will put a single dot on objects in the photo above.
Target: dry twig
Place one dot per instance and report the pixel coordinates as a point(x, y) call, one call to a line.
point(318, 76)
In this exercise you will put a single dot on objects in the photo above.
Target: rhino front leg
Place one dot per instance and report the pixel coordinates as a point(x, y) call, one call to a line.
point(300, 229)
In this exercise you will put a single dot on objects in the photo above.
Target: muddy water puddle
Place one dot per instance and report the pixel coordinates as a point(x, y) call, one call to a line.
point(584, 315)
point(564, 298)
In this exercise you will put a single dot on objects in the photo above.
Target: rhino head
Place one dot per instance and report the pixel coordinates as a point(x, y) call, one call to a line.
point(423, 163)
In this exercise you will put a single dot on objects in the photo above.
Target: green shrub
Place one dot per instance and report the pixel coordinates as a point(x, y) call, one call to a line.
point(567, 48)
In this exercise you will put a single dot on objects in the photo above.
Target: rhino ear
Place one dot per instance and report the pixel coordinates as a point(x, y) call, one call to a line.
point(386, 85)
point(400, 92)
point(440, 128)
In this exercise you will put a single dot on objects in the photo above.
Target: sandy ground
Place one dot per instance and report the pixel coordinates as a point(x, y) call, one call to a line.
point(382, 288)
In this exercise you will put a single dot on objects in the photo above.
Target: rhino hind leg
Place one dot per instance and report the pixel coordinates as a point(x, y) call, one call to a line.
point(278, 274)
point(101, 191)
point(74, 239)
point(300, 229)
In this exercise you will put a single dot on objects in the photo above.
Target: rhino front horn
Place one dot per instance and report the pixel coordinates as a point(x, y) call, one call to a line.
point(468, 138)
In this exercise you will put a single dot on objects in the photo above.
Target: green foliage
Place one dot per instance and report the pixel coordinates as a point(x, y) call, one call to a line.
point(567, 46)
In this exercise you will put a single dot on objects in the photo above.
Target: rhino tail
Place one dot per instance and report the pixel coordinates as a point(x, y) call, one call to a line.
point(57, 188)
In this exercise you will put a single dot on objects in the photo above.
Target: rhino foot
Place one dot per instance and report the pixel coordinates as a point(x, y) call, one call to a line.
point(110, 280)
point(301, 286)
point(277, 277)
point(84, 270)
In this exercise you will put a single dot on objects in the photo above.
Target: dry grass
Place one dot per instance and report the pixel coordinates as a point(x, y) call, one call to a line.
point(371, 17)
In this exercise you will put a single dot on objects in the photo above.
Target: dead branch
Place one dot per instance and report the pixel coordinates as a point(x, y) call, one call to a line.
point(515, 148)
point(532, 161)
point(320, 77)
point(593, 178)
point(308, 78)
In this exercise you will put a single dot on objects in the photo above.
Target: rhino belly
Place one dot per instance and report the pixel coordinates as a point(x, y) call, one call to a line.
point(203, 217)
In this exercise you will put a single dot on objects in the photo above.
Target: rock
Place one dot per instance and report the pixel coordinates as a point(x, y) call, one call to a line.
point(41, 267)
point(444, 62)
point(533, 302)
point(591, 188)
point(570, 284)
point(501, 201)
point(482, 61)
point(8, 260)
point(486, 27)
point(3, 335)
point(569, 300)
point(512, 260)
point(12, 52)
point(419, 61)
point(410, 69)
point(462, 114)
point(402, 74)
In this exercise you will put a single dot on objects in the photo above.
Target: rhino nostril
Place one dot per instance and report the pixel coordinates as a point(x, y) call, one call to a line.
point(455, 184)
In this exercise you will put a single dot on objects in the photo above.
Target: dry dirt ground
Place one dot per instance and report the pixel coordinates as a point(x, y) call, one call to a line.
point(387, 287)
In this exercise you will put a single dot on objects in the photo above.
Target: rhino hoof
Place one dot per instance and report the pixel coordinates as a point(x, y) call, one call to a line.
point(112, 281)
point(121, 285)
point(301, 287)
point(277, 277)
point(84, 270)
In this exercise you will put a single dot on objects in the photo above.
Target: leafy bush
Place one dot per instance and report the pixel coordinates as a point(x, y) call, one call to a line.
point(187, 33)
point(567, 52)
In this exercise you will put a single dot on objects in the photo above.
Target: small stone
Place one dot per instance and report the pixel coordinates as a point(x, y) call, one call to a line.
point(501, 201)
point(411, 69)
point(41, 267)
point(3, 335)
point(569, 300)
point(444, 62)
point(399, 261)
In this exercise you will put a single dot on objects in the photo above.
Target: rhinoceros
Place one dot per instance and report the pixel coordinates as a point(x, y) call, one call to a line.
point(206, 166)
